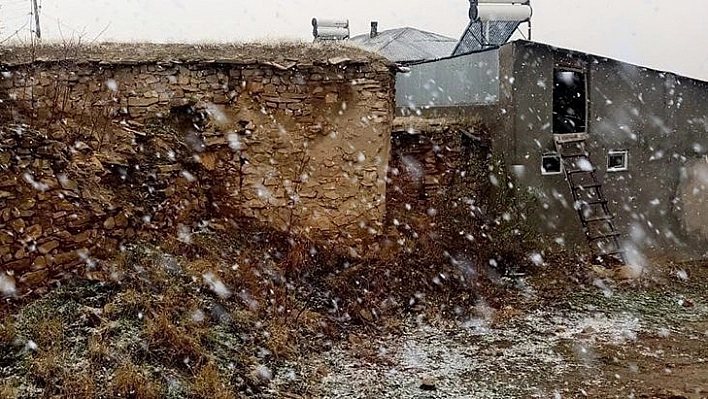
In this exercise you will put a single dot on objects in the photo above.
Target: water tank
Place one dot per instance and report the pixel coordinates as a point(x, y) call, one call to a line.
point(330, 29)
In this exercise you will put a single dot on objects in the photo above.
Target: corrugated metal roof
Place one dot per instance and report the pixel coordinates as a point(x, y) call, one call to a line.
point(408, 44)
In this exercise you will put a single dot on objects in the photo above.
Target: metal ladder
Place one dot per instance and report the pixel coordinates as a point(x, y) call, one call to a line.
point(588, 198)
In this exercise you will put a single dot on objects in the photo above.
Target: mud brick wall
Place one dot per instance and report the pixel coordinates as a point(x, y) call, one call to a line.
point(98, 152)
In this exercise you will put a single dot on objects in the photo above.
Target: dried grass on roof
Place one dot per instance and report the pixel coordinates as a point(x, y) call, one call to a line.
point(299, 52)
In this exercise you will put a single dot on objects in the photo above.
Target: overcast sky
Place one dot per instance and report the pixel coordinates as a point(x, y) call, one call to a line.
point(662, 34)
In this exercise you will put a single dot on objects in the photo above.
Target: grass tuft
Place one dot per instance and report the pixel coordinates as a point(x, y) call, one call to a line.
point(209, 383)
point(130, 382)
point(9, 390)
point(174, 344)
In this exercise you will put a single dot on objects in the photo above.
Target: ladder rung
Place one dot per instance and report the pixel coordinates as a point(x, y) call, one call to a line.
point(570, 138)
point(603, 236)
point(575, 155)
point(605, 218)
point(596, 202)
point(586, 186)
point(576, 171)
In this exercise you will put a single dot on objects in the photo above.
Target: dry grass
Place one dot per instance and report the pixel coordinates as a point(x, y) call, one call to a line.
point(8, 332)
point(174, 344)
point(47, 367)
point(48, 332)
point(209, 383)
point(298, 257)
point(160, 311)
point(128, 303)
point(282, 340)
point(98, 348)
point(130, 382)
point(304, 53)
point(9, 390)
point(79, 385)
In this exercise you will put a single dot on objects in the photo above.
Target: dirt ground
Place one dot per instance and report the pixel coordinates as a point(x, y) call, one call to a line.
point(562, 330)
point(565, 335)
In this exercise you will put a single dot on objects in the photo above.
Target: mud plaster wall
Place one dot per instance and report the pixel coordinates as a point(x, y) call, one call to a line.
point(111, 151)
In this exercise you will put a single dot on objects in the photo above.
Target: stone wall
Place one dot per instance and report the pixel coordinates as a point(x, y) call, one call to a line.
point(54, 217)
point(438, 187)
point(95, 153)
point(448, 195)
point(436, 162)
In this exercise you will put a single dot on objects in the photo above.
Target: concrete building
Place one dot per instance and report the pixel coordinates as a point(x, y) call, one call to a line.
point(645, 131)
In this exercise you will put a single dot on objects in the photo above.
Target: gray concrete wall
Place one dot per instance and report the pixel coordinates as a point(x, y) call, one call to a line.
point(629, 112)
point(532, 136)
point(689, 118)
point(661, 119)
point(504, 121)
point(460, 81)
point(658, 118)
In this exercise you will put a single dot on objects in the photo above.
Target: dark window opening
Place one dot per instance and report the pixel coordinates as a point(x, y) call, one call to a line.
point(616, 161)
point(569, 101)
point(551, 164)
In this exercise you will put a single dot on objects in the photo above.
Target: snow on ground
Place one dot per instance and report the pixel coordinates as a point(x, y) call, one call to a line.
point(480, 358)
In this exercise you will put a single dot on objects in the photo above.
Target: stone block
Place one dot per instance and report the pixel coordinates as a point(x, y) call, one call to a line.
point(26, 214)
point(34, 232)
point(121, 220)
point(5, 250)
point(26, 204)
point(82, 237)
point(67, 184)
point(41, 262)
point(109, 223)
point(66, 257)
point(141, 102)
point(19, 265)
point(255, 87)
point(7, 181)
point(48, 247)
point(18, 225)
point(34, 278)
point(331, 98)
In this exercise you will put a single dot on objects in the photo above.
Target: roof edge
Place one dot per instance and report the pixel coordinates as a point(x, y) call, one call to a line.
point(552, 47)
point(278, 55)
point(403, 29)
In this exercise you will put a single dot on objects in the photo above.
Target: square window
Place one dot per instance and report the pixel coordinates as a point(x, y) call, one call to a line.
point(551, 164)
point(617, 161)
